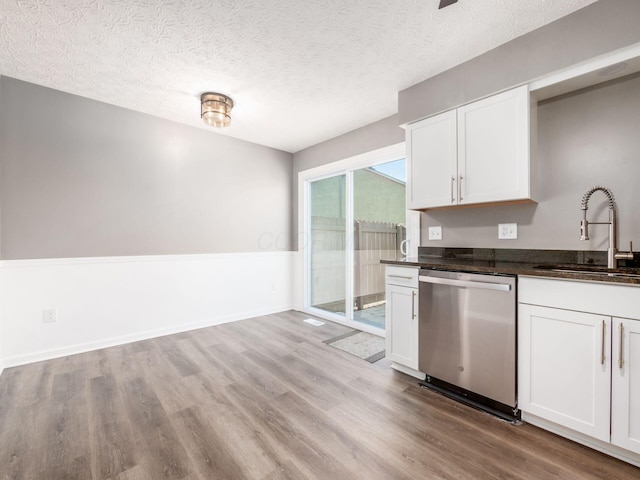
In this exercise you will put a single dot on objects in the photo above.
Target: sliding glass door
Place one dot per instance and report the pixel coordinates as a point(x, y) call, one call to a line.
point(327, 220)
point(379, 230)
point(354, 218)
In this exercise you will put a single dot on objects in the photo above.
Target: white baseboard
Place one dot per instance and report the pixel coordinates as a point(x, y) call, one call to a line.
point(135, 337)
point(408, 371)
point(102, 302)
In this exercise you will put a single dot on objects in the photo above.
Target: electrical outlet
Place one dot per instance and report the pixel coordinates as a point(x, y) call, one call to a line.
point(508, 231)
point(435, 233)
point(49, 316)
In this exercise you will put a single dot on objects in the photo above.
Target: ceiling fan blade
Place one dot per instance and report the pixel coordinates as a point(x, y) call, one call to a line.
point(446, 3)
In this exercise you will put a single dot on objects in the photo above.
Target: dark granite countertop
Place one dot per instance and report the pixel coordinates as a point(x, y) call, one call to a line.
point(560, 264)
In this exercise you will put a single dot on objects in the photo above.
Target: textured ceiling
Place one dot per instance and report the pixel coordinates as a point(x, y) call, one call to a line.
point(300, 72)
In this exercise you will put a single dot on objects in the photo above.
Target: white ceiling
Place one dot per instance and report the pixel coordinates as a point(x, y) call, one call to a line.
point(300, 72)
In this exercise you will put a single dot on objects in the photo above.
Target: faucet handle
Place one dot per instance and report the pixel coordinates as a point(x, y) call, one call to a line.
point(625, 255)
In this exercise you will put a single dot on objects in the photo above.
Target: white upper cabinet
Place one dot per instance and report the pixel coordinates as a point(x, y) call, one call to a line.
point(493, 148)
point(432, 150)
point(478, 153)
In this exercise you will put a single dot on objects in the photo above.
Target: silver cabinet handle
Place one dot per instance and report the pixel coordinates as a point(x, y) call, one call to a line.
point(503, 287)
point(413, 304)
point(602, 348)
point(460, 189)
point(404, 277)
point(620, 359)
point(453, 179)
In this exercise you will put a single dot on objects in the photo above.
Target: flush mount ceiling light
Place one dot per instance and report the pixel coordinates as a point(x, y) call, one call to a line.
point(215, 109)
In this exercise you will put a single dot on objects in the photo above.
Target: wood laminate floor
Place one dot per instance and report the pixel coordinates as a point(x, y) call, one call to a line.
point(259, 399)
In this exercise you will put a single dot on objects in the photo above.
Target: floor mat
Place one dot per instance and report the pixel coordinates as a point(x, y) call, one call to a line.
point(361, 344)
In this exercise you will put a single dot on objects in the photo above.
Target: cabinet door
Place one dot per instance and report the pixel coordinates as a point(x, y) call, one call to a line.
point(432, 162)
point(493, 148)
point(565, 368)
point(625, 414)
point(402, 325)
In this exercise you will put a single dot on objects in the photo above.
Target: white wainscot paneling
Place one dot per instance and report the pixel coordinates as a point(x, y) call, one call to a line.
point(108, 301)
point(1, 362)
point(298, 280)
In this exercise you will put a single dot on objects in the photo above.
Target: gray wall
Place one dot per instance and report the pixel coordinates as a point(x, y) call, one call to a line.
point(597, 29)
point(376, 135)
point(83, 178)
point(586, 138)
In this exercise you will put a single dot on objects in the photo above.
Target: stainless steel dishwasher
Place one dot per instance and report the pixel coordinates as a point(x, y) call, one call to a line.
point(467, 337)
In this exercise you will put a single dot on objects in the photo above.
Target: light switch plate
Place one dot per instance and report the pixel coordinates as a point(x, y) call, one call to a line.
point(508, 231)
point(435, 233)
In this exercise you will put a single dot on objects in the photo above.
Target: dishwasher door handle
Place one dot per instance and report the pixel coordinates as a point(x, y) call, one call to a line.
point(502, 287)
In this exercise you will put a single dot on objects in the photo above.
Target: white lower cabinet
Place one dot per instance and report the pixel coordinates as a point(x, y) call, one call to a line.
point(402, 305)
point(625, 385)
point(577, 370)
point(565, 368)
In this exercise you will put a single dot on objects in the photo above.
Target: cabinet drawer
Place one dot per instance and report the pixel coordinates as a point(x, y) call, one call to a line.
point(614, 300)
point(406, 276)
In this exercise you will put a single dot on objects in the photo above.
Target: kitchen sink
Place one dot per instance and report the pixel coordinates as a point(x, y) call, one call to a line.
point(592, 270)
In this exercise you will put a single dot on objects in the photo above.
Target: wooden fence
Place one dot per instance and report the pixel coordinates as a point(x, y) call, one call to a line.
point(372, 242)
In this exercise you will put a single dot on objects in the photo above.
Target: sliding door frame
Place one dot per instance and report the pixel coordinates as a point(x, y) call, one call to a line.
point(345, 167)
